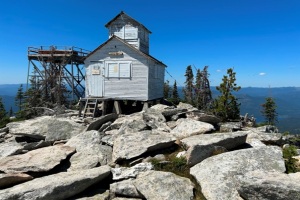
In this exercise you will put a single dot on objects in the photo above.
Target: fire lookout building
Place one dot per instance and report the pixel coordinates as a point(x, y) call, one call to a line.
point(121, 68)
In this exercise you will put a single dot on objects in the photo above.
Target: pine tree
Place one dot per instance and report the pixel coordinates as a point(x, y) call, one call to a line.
point(11, 112)
point(198, 95)
point(19, 99)
point(203, 96)
point(4, 119)
point(175, 96)
point(32, 98)
point(269, 111)
point(33, 95)
point(2, 110)
point(189, 85)
point(167, 89)
point(226, 105)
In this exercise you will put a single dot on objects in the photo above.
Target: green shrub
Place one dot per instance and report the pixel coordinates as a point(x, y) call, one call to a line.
point(286, 133)
point(4, 121)
point(175, 165)
point(290, 162)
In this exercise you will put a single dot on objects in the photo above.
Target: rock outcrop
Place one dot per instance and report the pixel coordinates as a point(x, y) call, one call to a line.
point(228, 140)
point(132, 145)
point(200, 147)
point(203, 117)
point(51, 128)
point(10, 148)
point(10, 179)
point(57, 186)
point(124, 188)
point(265, 137)
point(39, 160)
point(153, 185)
point(119, 157)
point(189, 127)
point(97, 124)
point(269, 185)
point(89, 151)
point(216, 174)
point(132, 172)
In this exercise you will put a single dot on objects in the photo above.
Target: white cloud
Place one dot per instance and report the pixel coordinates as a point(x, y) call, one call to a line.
point(262, 73)
point(218, 70)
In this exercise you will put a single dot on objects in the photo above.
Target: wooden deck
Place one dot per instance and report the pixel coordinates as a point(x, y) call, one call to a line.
point(59, 54)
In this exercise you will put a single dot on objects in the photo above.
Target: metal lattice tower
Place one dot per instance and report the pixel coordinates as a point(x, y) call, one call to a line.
point(61, 65)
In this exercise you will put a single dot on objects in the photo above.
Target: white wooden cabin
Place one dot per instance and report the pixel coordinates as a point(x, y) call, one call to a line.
point(121, 68)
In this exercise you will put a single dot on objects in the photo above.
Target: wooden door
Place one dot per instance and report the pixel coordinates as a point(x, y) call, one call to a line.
point(96, 81)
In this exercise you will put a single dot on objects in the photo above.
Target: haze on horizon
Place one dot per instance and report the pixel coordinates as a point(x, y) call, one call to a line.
point(260, 39)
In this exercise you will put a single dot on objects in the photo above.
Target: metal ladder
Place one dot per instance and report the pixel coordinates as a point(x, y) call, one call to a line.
point(91, 105)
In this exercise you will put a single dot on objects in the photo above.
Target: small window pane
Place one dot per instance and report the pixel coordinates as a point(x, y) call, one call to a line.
point(113, 70)
point(125, 70)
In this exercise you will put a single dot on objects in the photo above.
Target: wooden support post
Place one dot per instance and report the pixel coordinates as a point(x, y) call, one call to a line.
point(81, 106)
point(146, 105)
point(104, 105)
point(117, 107)
point(157, 101)
point(161, 100)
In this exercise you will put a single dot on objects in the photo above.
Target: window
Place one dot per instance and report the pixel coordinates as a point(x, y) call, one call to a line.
point(125, 70)
point(118, 69)
point(113, 70)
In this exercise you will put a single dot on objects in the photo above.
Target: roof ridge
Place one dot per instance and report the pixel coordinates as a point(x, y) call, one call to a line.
point(127, 44)
point(123, 13)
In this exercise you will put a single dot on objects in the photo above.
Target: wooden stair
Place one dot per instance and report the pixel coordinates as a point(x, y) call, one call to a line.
point(90, 108)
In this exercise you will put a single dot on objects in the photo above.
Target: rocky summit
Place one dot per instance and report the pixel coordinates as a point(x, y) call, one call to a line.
point(163, 152)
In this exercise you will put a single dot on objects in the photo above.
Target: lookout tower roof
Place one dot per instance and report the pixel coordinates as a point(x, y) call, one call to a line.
point(123, 15)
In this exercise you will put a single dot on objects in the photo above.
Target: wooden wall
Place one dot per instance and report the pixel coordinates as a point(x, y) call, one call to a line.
point(132, 32)
point(147, 76)
point(156, 81)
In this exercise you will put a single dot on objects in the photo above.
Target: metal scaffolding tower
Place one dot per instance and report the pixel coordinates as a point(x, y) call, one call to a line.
point(64, 65)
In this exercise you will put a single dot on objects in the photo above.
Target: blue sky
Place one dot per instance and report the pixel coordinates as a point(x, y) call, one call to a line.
point(259, 38)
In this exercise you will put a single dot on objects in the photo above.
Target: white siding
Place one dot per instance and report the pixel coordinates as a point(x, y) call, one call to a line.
point(134, 88)
point(127, 89)
point(156, 81)
point(131, 32)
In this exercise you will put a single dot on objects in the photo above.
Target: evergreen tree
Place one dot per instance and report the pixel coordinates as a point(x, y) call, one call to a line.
point(167, 89)
point(189, 85)
point(226, 105)
point(19, 99)
point(269, 111)
point(198, 95)
point(175, 96)
point(2, 110)
point(33, 95)
point(203, 97)
point(32, 98)
point(4, 119)
point(11, 112)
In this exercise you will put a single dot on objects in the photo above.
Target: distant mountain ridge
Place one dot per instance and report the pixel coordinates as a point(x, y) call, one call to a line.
point(287, 100)
point(10, 89)
point(251, 99)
